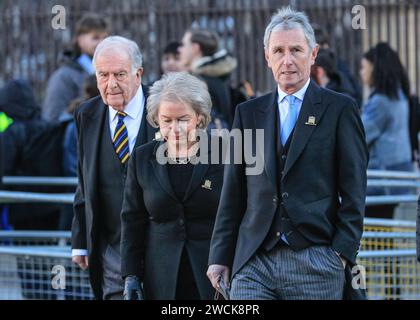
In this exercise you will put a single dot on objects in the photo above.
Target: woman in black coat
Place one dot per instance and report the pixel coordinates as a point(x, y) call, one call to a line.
point(171, 197)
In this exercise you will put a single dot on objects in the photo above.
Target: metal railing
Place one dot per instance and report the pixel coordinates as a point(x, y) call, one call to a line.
point(40, 181)
point(391, 274)
point(34, 197)
point(387, 251)
point(387, 254)
point(376, 178)
point(35, 238)
point(45, 273)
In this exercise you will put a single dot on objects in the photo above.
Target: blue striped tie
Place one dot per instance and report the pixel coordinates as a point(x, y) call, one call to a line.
point(120, 140)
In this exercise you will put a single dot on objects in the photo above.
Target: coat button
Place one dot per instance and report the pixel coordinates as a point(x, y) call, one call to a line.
point(275, 200)
point(181, 222)
point(283, 157)
point(285, 195)
point(278, 234)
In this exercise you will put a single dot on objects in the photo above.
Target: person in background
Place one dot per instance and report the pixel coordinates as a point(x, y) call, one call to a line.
point(70, 137)
point(385, 117)
point(66, 83)
point(170, 61)
point(70, 146)
point(18, 103)
point(323, 39)
point(5, 122)
point(326, 75)
point(170, 206)
point(200, 55)
point(418, 230)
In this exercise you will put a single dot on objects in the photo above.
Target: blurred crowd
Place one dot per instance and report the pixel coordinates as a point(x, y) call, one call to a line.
point(41, 139)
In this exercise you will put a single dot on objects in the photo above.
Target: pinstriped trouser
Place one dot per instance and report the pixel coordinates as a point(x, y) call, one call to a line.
point(314, 273)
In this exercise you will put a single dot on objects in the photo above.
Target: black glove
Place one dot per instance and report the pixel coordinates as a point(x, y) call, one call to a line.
point(133, 289)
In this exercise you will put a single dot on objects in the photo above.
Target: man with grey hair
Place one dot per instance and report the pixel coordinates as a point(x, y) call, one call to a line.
point(109, 127)
point(293, 231)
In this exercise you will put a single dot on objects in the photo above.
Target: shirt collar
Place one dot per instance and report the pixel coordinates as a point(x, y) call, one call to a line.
point(133, 108)
point(300, 94)
point(86, 63)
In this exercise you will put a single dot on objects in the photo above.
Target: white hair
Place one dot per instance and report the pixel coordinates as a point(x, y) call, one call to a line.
point(289, 19)
point(180, 87)
point(121, 43)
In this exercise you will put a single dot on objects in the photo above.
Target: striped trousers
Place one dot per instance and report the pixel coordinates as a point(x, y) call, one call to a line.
point(314, 273)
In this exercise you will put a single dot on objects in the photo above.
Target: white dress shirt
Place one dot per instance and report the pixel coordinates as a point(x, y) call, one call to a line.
point(134, 110)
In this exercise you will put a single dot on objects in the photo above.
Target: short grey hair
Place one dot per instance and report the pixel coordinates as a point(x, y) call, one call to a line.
point(179, 87)
point(289, 19)
point(116, 43)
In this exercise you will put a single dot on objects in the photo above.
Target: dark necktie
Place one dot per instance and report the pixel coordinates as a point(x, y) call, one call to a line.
point(120, 140)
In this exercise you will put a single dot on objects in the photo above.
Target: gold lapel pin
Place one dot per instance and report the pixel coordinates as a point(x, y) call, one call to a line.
point(207, 185)
point(311, 121)
point(158, 135)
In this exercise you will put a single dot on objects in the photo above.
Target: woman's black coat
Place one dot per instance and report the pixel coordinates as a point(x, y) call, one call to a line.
point(156, 226)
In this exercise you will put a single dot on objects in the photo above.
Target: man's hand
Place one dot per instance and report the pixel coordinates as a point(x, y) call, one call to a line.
point(343, 260)
point(133, 289)
point(215, 271)
point(81, 261)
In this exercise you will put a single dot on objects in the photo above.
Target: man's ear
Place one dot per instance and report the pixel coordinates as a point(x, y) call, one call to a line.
point(314, 53)
point(139, 74)
point(266, 55)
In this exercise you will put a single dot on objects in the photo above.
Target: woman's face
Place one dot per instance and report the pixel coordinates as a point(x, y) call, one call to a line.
point(366, 70)
point(177, 122)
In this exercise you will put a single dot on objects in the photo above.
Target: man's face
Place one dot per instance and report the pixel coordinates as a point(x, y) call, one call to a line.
point(116, 81)
point(89, 41)
point(188, 51)
point(171, 63)
point(290, 59)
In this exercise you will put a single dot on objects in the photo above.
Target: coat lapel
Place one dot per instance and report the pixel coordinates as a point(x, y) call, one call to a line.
point(311, 107)
point(161, 172)
point(93, 135)
point(265, 117)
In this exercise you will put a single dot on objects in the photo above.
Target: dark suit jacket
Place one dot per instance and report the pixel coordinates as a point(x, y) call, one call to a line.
point(89, 119)
point(2, 151)
point(156, 226)
point(324, 162)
